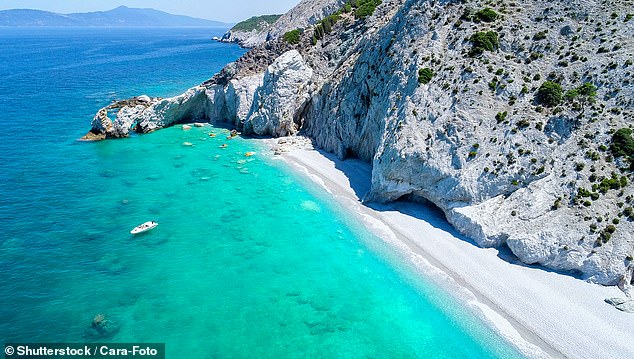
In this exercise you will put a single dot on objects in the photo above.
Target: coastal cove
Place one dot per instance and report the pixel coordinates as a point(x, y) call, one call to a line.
point(248, 258)
point(545, 313)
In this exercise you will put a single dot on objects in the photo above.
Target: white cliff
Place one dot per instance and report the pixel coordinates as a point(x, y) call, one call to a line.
point(473, 138)
point(285, 89)
point(162, 113)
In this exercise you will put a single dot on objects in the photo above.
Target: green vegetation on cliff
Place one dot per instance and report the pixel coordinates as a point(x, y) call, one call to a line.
point(483, 41)
point(586, 92)
point(325, 25)
point(486, 15)
point(292, 37)
point(364, 8)
point(425, 75)
point(255, 23)
point(550, 94)
point(623, 144)
point(360, 8)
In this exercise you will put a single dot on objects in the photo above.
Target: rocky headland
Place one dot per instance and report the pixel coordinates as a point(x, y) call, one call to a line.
point(250, 32)
point(260, 29)
point(513, 118)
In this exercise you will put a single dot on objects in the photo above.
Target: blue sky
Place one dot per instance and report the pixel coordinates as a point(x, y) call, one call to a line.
point(222, 10)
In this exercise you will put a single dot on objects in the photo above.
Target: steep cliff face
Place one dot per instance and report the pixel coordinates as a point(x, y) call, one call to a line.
point(284, 90)
point(512, 118)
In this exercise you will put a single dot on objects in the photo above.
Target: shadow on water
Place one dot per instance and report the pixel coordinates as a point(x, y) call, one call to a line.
point(360, 178)
point(151, 239)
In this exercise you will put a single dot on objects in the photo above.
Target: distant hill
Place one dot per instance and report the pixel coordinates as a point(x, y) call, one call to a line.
point(120, 17)
point(251, 32)
point(255, 23)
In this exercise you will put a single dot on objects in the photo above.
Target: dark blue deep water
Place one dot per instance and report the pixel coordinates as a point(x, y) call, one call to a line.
point(248, 260)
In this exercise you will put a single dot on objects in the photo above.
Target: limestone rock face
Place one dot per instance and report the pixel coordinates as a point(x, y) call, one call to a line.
point(190, 106)
point(101, 123)
point(144, 114)
point(247, 38)
point(126, 118)
point(239, 96)
point(127, 115)
point(509, 180)
point(474, 139)
point(284, 90)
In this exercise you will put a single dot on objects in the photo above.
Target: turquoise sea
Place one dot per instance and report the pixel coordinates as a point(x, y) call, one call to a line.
point(249, 260)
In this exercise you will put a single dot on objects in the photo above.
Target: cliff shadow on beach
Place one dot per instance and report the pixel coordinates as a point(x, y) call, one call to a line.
point(359, 175)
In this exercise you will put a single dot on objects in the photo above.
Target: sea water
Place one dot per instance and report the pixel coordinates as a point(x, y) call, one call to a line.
point(248, 260)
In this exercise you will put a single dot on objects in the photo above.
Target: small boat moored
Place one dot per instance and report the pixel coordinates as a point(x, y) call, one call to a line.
point(144, 227)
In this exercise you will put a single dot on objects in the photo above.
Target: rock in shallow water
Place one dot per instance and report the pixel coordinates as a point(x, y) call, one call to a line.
point(102, 328)
point(144, 98)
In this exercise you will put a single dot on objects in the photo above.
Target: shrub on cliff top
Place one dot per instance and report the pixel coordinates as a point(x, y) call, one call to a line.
point(585, 93)
point(425, 75)
point(623, 143)
point(324, 26)
point(364, 8)
point(540, 36)
point(292, 37)
point(501, 116)
point(483, 41)
point(483, 15)
point(486, 15)
point(550, 94)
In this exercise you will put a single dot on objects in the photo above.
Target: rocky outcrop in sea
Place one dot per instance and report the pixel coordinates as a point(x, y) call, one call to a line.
point(514, 118)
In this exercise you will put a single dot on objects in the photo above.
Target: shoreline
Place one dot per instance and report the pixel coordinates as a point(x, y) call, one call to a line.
point(542, 313)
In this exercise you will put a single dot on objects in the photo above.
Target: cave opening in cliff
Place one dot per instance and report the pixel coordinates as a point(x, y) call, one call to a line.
point(350, 154)
point(425, 205)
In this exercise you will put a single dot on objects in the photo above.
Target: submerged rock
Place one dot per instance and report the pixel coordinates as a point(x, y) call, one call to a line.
point(102, 328)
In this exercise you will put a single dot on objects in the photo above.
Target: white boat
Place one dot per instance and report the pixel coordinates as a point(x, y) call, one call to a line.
point(144, 227)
